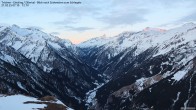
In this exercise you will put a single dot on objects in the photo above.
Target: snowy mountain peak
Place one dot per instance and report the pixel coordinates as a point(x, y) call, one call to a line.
point(140, 41)
point(31, 42)
point(191, 24)
point(34, 28)
point(94, 42)
point(103, 36)
point(15, 26)
point(32, 34)
point(154, 29)
point(28, 28)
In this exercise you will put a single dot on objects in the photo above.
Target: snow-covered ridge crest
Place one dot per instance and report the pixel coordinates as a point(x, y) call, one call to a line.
point(31, 33)
point(94, 42)
point(102, 40)
point(154, 29)
point(149, 37)
point(31, 41)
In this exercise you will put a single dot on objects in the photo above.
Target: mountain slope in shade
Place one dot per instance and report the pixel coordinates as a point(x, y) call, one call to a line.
point(38, 64)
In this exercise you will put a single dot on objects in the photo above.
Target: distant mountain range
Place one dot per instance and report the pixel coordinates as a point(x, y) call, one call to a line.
point(149, 69)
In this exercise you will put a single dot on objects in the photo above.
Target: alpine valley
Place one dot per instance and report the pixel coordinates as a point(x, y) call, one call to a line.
point(150, 69)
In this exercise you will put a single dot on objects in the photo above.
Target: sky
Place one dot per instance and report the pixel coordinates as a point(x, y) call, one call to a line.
point(94, 18)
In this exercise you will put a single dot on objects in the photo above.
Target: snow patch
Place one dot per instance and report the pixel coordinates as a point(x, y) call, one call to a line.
point(20, 85)
point(7, 58)
point(17, 102)
point(176, 98)
point(91, 95)
point(179, 75)
point(140, 83)
point(54, 45)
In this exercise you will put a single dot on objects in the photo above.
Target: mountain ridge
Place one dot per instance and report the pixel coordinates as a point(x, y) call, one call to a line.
point(120, 72)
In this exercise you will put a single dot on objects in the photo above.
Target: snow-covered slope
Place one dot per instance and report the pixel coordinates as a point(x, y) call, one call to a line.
point(165, 40)
point(95, 42)
point(31, 41)
point(21, 102)
point(16, 102)
point(149, 37)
